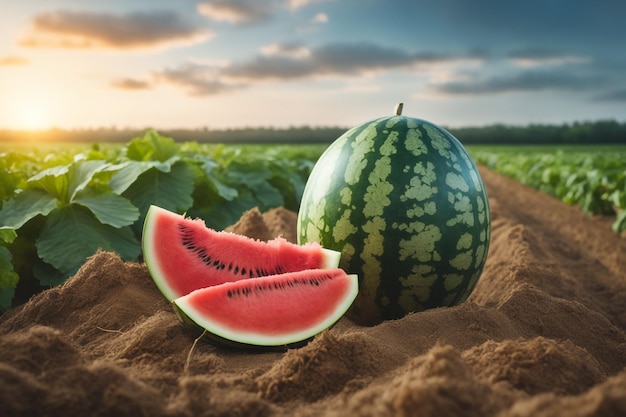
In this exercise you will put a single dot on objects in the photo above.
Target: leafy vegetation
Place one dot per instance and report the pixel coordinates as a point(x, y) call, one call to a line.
point(60, 207)
point(61, 203)
point(593, 178)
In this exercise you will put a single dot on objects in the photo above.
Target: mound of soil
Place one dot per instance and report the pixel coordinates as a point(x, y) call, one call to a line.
point(543, 334)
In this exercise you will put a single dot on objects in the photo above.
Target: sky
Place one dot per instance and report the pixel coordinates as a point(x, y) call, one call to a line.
point(219, 64)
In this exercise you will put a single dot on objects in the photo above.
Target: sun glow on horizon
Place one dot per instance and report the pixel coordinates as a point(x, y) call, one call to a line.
point(28, 109)
point(33, 117)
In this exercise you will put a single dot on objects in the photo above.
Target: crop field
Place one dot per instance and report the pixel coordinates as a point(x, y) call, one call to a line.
point(591, 177)
point(61, 203)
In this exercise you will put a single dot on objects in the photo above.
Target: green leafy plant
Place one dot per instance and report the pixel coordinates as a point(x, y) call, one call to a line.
point(8, 276)
point(593, 178)
point(82, 214)
point(60, 208)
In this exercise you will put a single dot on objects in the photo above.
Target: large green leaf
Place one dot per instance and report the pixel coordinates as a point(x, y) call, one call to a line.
point(169, 190)
point(152, 147)
point(9, 181)
point(26, 205)
point(248, 173)
point(8, 277)
point(291, 189)
point(72, 233)
point(109, 208)
point(131, 170)
point(81, 173)
point(267, 196)
point(7, 234)
point(226, 213)
point(226, 192)
point(209, 167)
point(54, 181)
point(47, 275)
point(255, 176)
point(63, 182)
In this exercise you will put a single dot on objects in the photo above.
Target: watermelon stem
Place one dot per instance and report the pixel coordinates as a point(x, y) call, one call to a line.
point(398, 110)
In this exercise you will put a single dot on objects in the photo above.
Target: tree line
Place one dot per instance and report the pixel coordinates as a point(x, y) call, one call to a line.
point(596, 132)
point(599, 132)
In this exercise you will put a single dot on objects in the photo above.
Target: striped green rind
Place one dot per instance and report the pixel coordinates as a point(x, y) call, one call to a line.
point(405, 204)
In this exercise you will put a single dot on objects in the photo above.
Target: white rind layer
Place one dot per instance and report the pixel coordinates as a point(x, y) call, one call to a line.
point(331, 258)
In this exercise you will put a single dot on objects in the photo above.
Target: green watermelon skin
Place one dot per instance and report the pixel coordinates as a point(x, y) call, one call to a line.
point(404, 203)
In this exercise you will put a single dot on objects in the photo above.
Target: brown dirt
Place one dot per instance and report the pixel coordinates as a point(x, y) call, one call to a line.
point(543, 334)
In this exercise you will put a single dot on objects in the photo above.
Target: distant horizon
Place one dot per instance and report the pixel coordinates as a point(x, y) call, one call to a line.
point(290, 127)
point(579, 132)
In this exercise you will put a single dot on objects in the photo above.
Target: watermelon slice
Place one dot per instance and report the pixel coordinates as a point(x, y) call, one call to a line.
point(283, 310)
point(183, 255)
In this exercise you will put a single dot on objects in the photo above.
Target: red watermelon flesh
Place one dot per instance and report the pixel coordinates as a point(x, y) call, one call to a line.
point(183, 254)
point(275, 310)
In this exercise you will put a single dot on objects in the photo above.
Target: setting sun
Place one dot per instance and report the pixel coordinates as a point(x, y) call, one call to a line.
point(32, 117)
point(29, 109)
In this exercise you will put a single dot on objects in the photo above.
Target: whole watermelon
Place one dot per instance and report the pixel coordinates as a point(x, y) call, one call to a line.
point(405, 204)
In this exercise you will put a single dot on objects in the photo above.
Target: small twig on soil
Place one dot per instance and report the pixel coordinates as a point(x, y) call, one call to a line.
point(191, 351)
point(109, 330)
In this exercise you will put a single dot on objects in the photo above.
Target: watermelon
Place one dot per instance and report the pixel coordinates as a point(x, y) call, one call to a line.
point(183, 254)
point(404, 203)
point(279, 311)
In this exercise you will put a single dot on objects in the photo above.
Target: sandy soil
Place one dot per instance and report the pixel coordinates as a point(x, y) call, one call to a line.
point(543, 334)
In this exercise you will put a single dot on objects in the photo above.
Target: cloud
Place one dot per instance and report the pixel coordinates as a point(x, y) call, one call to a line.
point(196, 79)
point(296, 4)
point(293, 50)
point(289, 61)
point(235, 11)
point(352, 58)
point(529, 80)
point(320, 18)
point(617, 96)
point(330, 59)
point(248, 11)
point(531, 69)
point(471, 73)
point(134, 30)
point(363, 88)
point(533, 57)
point(13, 60)
point(131, 84)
